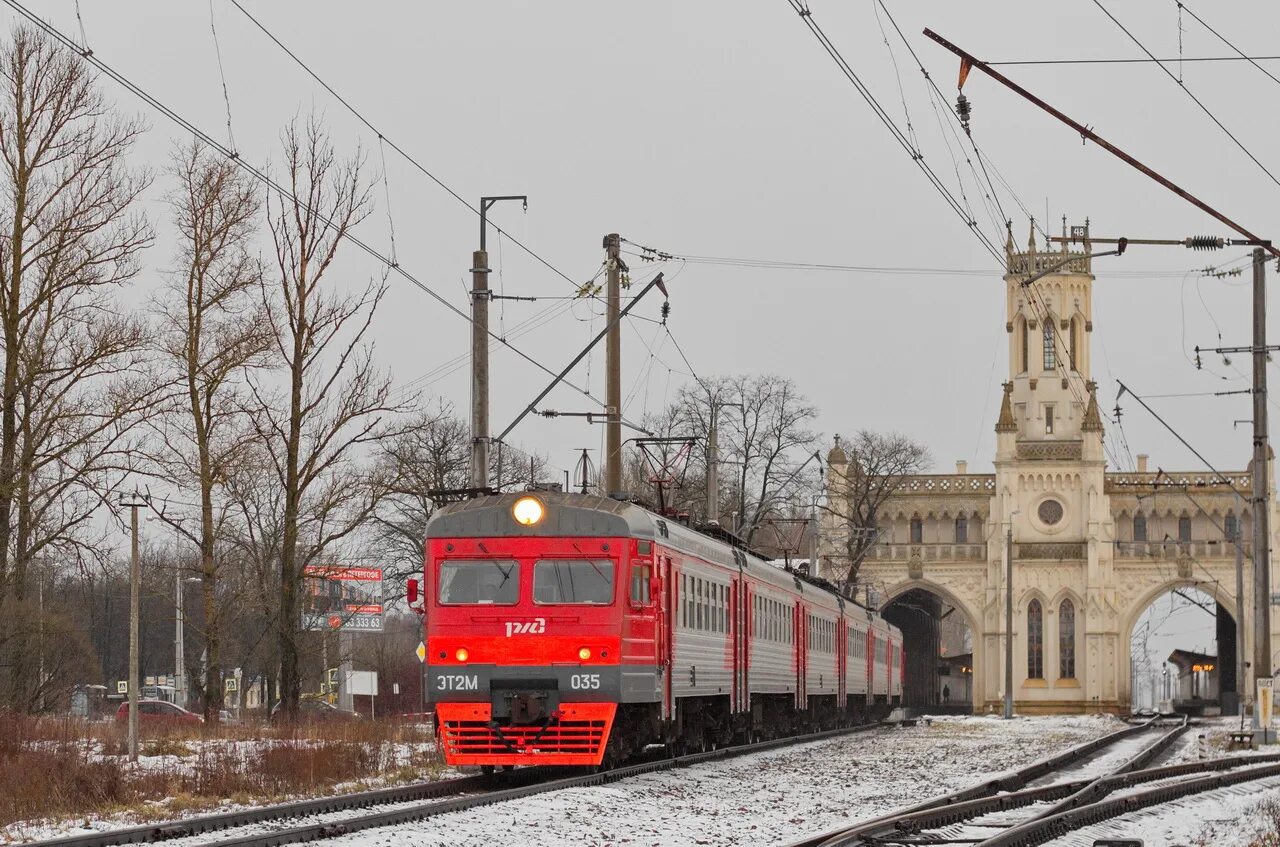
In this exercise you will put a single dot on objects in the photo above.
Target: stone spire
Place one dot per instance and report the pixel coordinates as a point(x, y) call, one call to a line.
point(1092, 420)
point(1031, 241)
point(1006, 423)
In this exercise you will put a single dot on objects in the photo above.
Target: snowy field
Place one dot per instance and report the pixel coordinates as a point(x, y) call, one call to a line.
point(768, 798)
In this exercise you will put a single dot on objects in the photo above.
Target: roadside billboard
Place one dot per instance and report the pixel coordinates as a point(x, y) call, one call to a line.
point(345, 598)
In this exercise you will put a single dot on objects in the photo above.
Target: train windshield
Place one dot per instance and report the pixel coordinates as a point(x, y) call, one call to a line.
point(473, 582)
point(577, 581)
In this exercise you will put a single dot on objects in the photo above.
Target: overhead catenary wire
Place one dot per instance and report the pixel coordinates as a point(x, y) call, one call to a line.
point(358, 115)
point(1135, 61)
point(806, 16)
point(1189, 93)
point(1240, 54)
point(261, 176)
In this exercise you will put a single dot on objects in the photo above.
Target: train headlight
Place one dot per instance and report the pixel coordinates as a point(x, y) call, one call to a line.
point(584, 653)
point(461, 655)
point(527, 511)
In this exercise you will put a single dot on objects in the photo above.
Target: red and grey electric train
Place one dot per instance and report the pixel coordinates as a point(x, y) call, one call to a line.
point(572, 629)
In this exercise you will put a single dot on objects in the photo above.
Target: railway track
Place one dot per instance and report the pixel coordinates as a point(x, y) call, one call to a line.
point(332, 816)
point(1038, 814)
point(1038, 787)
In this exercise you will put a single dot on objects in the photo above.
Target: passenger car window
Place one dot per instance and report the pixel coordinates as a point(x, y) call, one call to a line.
point(575, 581)
point(469, 582)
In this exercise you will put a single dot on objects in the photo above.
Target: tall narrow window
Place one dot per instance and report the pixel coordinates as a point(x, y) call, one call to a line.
point(962, 529)
point(1050, 352)
point(917, 531)
point(1024, 347)
point(1067, 640)
point(1184, 529)
point(1139, 527)
point(1048, 420)
point(1229, 528)
point(1075, 342)
point(1035, 640)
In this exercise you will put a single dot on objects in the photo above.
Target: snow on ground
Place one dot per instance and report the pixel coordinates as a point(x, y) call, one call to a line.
point(1227, 817)
point(767, 798)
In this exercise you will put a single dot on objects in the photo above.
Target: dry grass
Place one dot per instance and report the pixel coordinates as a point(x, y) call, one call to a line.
point(60, 768)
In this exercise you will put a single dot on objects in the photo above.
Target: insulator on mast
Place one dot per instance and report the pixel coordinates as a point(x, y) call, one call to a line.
point(963, 111)
point(1204, 242)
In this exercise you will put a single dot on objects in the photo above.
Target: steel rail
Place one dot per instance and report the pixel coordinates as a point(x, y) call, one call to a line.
point(1046, 829)
point(916, 822)
point(1100, 787)
point(1010, 782)
point(314, 832)
point(163, 831)
point(477, 790)
point(1081, 802)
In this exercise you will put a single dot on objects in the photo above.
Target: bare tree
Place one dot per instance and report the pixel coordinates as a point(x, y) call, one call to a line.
point(433, 453)
point(336, 400)
point(72, 382)
point(765, 442)
point(878, 464)
point(211, 330)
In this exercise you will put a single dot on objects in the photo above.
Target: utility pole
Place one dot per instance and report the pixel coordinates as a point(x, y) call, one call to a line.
point(133, 501)
point(1241, 688)
point(1261, 524)
point(480, 296)
point(613, 363)
point(713, 470)
point(1008, 620)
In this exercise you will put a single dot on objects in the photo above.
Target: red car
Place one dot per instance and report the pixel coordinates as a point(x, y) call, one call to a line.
point(159, 713)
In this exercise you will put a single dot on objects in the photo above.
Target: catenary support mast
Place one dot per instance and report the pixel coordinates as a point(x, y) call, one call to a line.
point(613, 361)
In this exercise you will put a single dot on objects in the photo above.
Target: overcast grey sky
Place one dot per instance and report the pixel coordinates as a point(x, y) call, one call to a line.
point(720, 128)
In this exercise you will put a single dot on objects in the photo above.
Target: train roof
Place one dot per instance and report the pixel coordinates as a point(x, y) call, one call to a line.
point(591, 515)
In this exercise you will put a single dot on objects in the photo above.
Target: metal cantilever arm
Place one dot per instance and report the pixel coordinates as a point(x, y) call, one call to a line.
point(656, 281)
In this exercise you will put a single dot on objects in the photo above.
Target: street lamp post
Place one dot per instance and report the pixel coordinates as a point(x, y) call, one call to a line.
point(179, 635)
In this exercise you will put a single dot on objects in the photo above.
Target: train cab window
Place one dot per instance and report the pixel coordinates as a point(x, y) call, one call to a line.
point(471, 582)
point(573, 581)
point(640, 585)
point(687, 589)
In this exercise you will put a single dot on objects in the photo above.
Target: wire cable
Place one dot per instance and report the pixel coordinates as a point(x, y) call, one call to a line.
point(258, 174)
point(410, 159)
point(846, 69)
point(1194, 98)
point(1240, 54)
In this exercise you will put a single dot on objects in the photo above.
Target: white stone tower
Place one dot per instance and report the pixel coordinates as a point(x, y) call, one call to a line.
point(1050, 474)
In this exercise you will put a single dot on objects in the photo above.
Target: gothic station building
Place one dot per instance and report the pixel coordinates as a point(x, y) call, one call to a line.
point(1092, 547)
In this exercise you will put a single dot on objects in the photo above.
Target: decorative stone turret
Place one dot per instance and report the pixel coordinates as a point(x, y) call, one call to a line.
point(1092, 420)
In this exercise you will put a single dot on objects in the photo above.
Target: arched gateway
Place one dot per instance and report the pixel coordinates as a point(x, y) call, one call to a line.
point(1091, 548)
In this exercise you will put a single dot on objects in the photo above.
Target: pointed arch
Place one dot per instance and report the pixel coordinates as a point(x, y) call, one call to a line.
point(1074, 342)
point(1023, 336)
point(1035, 639)
point(1066, 639)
